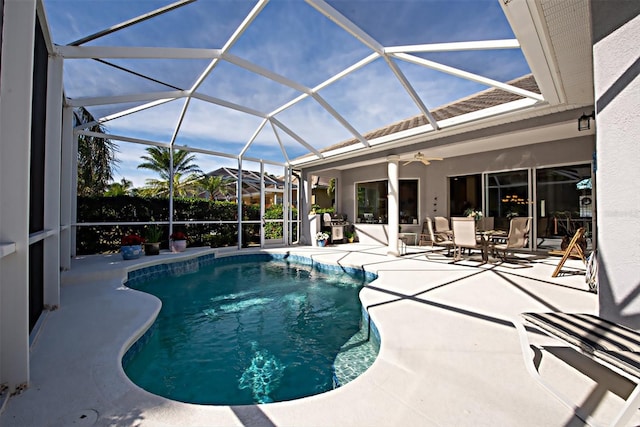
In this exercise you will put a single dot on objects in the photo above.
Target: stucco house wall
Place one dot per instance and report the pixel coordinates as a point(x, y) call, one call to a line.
point(433, 182)
point(616, 53)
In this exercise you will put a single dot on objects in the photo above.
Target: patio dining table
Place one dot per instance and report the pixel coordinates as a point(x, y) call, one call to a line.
point(486, 240)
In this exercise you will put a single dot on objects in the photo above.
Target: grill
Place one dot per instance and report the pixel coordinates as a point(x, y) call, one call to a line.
point(335, 224)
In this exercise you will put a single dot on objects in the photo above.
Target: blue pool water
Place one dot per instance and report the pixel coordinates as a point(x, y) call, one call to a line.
point(248, 332)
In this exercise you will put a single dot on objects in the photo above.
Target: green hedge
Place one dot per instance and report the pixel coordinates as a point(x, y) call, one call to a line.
point(101, 239)
point(273, 230)
point(106, 239)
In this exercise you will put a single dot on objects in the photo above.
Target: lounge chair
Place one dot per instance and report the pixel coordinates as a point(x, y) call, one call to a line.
point(517, 238)
point(609, 344)
point(464, 237)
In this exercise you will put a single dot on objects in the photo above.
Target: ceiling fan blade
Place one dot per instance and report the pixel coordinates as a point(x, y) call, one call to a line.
point(407, 163)
point(425, 161)
point(435, 158)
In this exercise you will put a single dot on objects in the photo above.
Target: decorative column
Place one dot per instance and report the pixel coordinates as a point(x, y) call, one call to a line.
point(393, 210)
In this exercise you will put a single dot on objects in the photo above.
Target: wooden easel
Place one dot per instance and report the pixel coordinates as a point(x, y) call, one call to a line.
point(573, 250)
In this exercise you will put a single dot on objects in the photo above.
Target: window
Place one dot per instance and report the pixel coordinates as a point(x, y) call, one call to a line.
point(465, 192)
point(408, 201)
point(372, 201)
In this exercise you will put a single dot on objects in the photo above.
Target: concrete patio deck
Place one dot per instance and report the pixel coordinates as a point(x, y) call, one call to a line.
point(449, 354)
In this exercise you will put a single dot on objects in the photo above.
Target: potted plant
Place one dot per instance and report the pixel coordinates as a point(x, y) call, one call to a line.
point(321, 238)
point(131, 246)
point(178, 241)
point(349, 235)
point(153, 235)
point(475, 214)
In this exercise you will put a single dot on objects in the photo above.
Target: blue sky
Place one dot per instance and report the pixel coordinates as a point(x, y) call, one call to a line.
point(289, 38)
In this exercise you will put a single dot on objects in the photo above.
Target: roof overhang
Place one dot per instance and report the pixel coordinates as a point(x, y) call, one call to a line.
point(527, 22)
point(525, 127)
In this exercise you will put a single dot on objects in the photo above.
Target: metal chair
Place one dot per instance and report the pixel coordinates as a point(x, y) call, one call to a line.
point(442, 225)
point(517, 238)
point(464, 237)
point(437, 239)
point(424, 234)
point(486, 223)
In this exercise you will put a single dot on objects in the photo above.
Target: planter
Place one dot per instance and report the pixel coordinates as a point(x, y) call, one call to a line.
point(152, 248)
point(178, 245)
point(131, 252)
point(322, 243)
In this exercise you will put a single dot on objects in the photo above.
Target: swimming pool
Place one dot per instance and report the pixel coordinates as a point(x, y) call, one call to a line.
point(252, 330)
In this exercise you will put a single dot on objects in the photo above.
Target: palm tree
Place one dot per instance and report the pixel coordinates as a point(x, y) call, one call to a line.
point(159, 160)
point(181, 187)
point(121, 188)
point(96, 157)
point(215, 185)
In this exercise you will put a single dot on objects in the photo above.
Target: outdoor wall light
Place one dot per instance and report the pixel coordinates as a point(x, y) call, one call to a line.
point(584, 122)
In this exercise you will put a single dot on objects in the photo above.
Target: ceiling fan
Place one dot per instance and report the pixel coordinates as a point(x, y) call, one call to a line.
point(419, 157)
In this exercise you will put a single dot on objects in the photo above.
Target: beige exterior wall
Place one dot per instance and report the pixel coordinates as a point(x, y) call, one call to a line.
point(433, 179)
point(616, 54)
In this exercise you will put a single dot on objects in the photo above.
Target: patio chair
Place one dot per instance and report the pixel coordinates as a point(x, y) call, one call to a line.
point(486, 223)
point(562, 224)
point(573, 250)
point(464, 237)
point(517, 238)
point(437, 239)
point(425, 237)
point(442, 225)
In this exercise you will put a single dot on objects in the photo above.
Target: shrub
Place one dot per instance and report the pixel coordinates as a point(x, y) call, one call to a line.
point(107, 238)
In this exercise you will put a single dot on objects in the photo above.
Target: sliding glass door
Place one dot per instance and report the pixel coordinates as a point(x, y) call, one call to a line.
point(507, 196)
point(564, 203)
